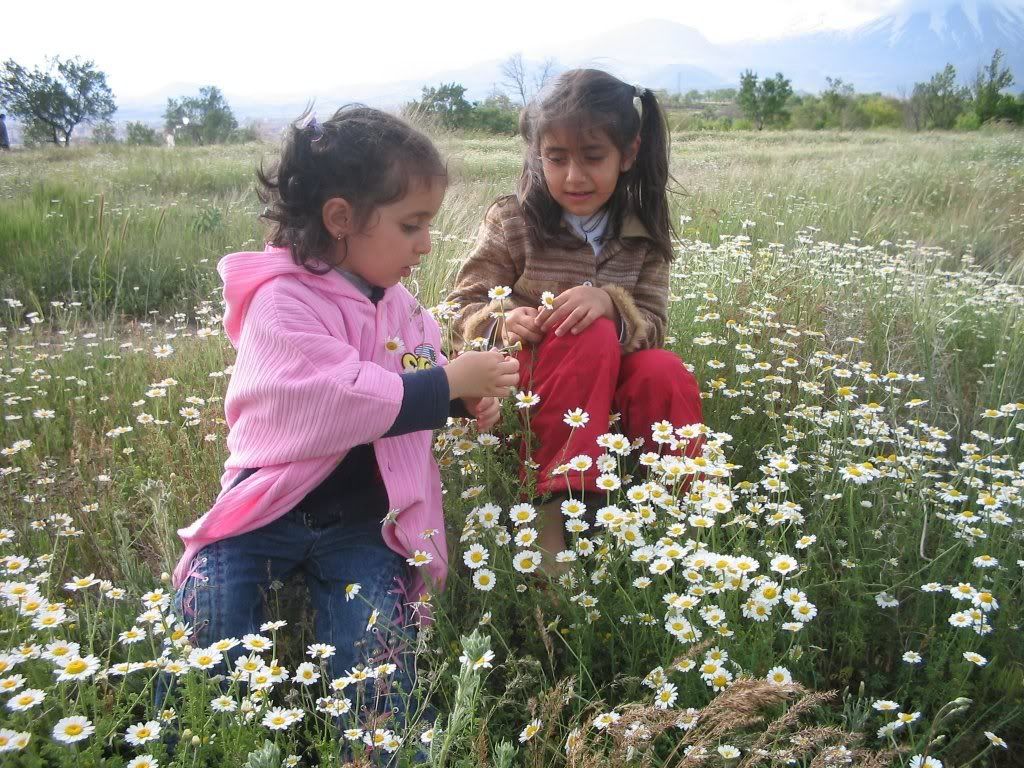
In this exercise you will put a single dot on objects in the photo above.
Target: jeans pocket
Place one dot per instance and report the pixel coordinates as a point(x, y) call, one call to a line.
point(192, 601)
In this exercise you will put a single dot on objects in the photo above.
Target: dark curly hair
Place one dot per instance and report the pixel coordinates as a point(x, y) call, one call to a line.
point(366, 156)
point(586, 99)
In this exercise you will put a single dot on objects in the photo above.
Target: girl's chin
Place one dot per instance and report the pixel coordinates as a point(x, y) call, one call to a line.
point(581, 206)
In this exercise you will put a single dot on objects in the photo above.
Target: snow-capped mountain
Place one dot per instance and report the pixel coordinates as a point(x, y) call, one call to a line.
point(892, 53)
point(889, 54)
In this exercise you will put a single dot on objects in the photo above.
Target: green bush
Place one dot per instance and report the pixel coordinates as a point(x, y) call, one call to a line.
point(139, 134)
point(967, 121)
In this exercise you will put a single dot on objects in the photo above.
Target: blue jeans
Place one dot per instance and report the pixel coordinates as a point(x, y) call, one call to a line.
point(225, 592)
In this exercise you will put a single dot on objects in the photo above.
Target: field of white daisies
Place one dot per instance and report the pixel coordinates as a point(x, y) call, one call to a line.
point(836, 581)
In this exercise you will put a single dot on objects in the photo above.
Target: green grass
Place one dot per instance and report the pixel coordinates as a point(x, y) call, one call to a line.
point(889, 258)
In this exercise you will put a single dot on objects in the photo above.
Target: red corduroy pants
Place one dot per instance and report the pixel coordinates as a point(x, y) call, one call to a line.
point(589, 371)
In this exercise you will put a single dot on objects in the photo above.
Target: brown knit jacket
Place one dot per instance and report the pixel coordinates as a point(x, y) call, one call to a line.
point(630, 269)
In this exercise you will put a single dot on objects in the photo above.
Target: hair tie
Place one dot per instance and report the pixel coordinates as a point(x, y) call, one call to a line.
point(316, 131)
point(638, 104)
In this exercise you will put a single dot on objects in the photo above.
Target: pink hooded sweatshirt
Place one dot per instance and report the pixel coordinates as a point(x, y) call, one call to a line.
point(313, 379)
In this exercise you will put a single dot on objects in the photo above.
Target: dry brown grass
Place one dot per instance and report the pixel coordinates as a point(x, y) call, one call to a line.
point(737, 716)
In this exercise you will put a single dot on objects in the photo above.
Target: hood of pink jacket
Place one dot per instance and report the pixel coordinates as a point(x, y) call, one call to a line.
point(244, 272)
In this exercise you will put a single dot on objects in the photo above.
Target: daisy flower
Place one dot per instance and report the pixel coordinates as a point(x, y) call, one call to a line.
point(68, 730)
point(140, 733)
point(728, 752)
point(996, 741)
point(419, 558)
point(481, 662)
point(526, 561)
point(253, 642)
point(476, 556)
point(27, 699)
point(530, 730)
point(77, 668)
point(223, 704)
point(526, 399)
point(576, 418)
point(606, 719)
point(483, 579)
point(666, 696)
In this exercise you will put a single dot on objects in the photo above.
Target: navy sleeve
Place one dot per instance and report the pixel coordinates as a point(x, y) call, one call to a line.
point(459, 410)
point(425, 403)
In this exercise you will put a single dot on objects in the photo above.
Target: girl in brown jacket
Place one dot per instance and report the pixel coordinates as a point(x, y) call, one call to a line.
point(575, 266)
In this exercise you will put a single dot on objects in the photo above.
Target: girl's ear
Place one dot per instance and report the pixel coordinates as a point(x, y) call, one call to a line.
point(337, 217)
point(629, 156)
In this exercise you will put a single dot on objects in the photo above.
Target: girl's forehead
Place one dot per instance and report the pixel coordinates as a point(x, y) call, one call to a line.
point(573, 136)
point(423, 197)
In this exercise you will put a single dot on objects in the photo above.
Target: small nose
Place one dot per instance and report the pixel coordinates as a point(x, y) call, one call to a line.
point(424, 245)
point(575, 170)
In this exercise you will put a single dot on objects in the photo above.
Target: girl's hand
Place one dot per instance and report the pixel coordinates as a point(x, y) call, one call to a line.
point(521, 325)
point(482, 374)
point(486, 410)
point(575, 309)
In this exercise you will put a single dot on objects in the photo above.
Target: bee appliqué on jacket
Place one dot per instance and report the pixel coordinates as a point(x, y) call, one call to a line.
point(421, 358)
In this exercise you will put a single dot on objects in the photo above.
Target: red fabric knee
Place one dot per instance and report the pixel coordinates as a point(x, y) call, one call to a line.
point(654, 385)
point(568, 372)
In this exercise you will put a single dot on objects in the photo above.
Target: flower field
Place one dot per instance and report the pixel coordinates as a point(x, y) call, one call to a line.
point(836, 580)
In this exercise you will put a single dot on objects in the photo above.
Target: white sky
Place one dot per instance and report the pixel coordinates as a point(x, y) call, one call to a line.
point(283, 47)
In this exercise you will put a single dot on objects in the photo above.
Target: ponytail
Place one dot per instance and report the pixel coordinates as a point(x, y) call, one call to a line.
point(649, 195)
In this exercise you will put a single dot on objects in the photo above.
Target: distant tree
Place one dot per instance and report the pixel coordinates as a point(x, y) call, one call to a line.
point(843, 109)
point(514, 72)
point(104, 133)
point(517, 79)
point(764, 103)
point(140, 134)
point(938, 103)
point(53, 102)
point(809, 113)
point(446, 103)
point(544, 73)
point(882, 111)
point(495, 114)
point(988, 86)
point(499, 100)
point(202, 119)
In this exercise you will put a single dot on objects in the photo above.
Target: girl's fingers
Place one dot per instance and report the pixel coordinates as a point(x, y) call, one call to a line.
point(570, 322)
point(586, 321)
point(524, 331)
point(557, 316)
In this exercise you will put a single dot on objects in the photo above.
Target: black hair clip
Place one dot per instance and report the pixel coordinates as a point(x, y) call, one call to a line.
point(315, 129)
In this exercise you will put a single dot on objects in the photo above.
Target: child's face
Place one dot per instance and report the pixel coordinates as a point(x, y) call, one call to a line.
point(581, 168)
point(395, 237)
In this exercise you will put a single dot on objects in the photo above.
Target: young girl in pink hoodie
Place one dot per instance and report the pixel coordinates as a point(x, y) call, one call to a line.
point(338, 382)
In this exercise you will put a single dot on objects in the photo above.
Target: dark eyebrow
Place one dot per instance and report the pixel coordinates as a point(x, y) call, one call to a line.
point(418, 214)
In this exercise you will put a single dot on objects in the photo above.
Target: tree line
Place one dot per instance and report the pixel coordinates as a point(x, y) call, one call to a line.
point(941, 103)
point(52, 102)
